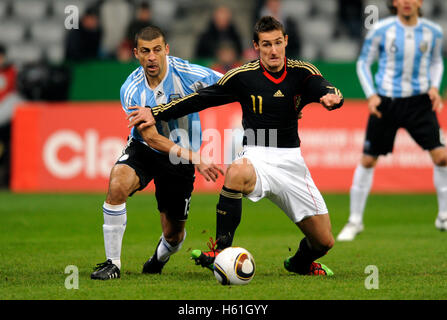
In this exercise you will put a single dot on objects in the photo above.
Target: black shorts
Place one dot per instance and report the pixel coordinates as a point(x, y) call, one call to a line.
point(414, 114)
point(174, 183)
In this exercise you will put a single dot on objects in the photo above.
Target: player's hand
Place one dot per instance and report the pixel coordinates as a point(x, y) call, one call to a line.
point(141, 117)
point(208, 169)
point(436, 100)
point(373, 102)
point(330, 101)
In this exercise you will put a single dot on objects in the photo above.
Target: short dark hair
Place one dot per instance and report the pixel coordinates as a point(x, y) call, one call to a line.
point(266, 24)
point(2, 49)
point(144, 6)
point(393, 9)
point(91, 11)
point(149, 33)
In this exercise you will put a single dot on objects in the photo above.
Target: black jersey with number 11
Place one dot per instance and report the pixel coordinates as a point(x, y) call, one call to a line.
point(270, 102)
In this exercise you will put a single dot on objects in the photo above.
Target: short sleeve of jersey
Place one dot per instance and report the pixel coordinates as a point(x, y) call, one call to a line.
point(125, 102)
point(129, 91)
point(207, 81)
point(213, 77)
point(437, 31)
point(192, 76)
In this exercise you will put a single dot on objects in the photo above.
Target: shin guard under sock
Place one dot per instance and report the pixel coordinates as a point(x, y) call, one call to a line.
point(228, 216)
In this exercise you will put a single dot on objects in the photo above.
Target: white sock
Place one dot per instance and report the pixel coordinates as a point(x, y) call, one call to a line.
point(361, 185)
point(165, 250)
point(115, 219)
point(440, 182)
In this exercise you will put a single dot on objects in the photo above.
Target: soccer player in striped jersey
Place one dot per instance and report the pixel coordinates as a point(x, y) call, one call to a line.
point(160, 79)
point(272, 91)
point(405, 94)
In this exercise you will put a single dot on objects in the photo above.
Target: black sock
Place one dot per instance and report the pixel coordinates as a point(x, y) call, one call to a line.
point(304, 257)
point(228, 216)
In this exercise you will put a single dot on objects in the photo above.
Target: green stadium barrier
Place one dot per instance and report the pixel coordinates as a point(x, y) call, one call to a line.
point(99, 80)
point(102, 80)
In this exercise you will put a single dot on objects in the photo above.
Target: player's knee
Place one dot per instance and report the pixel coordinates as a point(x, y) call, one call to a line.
point(325, 244)
point(441, 160)
point(117, 193)
point(240, 177)
point(330, 243)
point(234, 177)
point(368, 162)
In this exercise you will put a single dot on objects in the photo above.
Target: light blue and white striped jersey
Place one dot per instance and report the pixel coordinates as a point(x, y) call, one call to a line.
point(409, 58)
point(182, 78)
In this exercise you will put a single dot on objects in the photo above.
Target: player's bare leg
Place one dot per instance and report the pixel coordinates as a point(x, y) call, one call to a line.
point(173, 230)
point(171, 241)
point(240, 178)
point(317, 242)
point(361, 186)
point(439, 157)
point(123, 181)
point(318, 231)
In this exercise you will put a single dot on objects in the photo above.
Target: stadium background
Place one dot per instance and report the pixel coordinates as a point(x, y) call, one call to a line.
point(67, 138)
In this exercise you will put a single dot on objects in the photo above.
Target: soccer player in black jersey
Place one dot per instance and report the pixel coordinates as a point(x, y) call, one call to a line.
point(272, 91)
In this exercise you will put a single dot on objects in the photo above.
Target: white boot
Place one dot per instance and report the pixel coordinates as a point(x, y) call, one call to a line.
point(441, 222)
point(349, 231)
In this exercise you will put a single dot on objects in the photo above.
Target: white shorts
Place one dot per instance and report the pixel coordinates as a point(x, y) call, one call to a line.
point(283, 177)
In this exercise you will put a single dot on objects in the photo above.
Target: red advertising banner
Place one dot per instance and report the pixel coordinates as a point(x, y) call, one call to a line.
point(332, 144)
point(72, 147)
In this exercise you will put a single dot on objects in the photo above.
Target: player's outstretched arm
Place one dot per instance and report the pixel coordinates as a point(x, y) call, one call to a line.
point(204, 166)
point(156, 140)
point(208, 97)
point(320, 90)
point(140, 117)
point(204, 98)
point(331, 101)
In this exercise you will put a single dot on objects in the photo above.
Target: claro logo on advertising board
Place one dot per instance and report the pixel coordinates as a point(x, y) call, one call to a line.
point(72, 147)
point(67, 154)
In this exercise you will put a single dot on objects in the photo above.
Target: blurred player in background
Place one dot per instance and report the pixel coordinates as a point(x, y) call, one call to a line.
point(405, 95)
point(159, 79)
point(8, 100)
point(272, 91)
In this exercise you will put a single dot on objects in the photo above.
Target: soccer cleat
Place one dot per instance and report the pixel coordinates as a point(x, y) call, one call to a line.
point(319, 269)
point(316, 268)
point(349, 231)
point(105, 271)
point(206, 258)
point(153, 265)
point(441, 224)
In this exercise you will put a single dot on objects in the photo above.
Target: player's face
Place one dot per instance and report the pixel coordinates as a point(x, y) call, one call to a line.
point(407, 8)
point(152, 56)
point(272, 49)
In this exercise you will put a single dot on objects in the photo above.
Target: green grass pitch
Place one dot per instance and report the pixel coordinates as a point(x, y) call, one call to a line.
point(41, 234)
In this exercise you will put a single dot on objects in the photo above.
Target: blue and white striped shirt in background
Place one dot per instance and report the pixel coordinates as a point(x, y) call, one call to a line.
point(182, 78)
point(409, 58)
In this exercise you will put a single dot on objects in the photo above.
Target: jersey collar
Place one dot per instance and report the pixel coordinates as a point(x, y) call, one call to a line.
point(408, 27)
point(270, 77)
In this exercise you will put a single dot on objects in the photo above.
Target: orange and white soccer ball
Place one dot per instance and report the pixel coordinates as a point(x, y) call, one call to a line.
point(234, 266)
